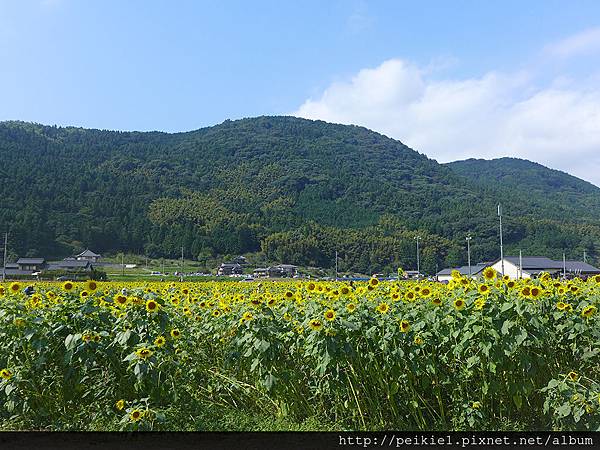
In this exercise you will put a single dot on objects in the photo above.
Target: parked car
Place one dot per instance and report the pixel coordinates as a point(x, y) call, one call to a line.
point(64, 278)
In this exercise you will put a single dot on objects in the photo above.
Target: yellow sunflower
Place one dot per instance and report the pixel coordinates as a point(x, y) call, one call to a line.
point(144, 353)
point(535, 292)
point(588, 311)
point(484, 289)
point(489, 273)
point(479, 304)
point(459, 304)
point(121, 300)
point(315, 324)
point(404, 326)
point(152, 306)
point(135, 415)
point(91, 286)
point(573, 376)
point(383, 308)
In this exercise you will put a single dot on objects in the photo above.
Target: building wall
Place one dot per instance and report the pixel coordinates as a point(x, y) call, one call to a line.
point(444, 277)
point(86, 258)
point(510, 269)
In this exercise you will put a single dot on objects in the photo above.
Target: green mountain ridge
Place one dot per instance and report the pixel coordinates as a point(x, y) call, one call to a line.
point(297, 189)
point(533, 179)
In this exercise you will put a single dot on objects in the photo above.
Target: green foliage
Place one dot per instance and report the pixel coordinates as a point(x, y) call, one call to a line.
point(500, 361)
point(381, 247)
point(240, 185)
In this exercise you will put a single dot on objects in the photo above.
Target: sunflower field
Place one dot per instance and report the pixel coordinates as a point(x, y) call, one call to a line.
point(494, 354)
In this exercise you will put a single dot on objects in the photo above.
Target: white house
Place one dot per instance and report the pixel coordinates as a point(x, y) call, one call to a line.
point(88, 255)
point(531, 266)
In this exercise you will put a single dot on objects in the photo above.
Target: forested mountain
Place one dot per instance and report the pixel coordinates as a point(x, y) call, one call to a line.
point(295, 188)
point(515, 177)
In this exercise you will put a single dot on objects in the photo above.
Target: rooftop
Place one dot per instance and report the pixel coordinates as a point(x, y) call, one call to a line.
point(464, 270)
point(580, 266)
point(54, 265)
point(88, 253)
point(30, 261)
point(535, 262)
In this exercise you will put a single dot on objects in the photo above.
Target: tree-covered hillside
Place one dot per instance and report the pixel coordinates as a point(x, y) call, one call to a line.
point(524, 179)
point(297, 189)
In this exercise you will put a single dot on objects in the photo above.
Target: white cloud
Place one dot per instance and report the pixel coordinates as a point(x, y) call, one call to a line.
point(587, 41)
point(485, 117)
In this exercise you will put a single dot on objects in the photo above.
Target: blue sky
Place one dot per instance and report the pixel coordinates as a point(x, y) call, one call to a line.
point(451, 79)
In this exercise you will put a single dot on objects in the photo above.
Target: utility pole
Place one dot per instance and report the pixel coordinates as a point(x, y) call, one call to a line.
point(564, 266)
point(336, 266)
point(501, 246)
point(122, 264)
point(182, 266)
point(5, 246)
point(469, 252)
point(584, 257)
point(520, 264)
point(418, 238)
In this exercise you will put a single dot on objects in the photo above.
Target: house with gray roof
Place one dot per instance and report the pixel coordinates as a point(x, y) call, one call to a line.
point(474, 271)
point(88, 255)
point(532, 266)
point(283, 270)
point(12, 270)
point(230, 269)
point(70, 265)
point(31, 264)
